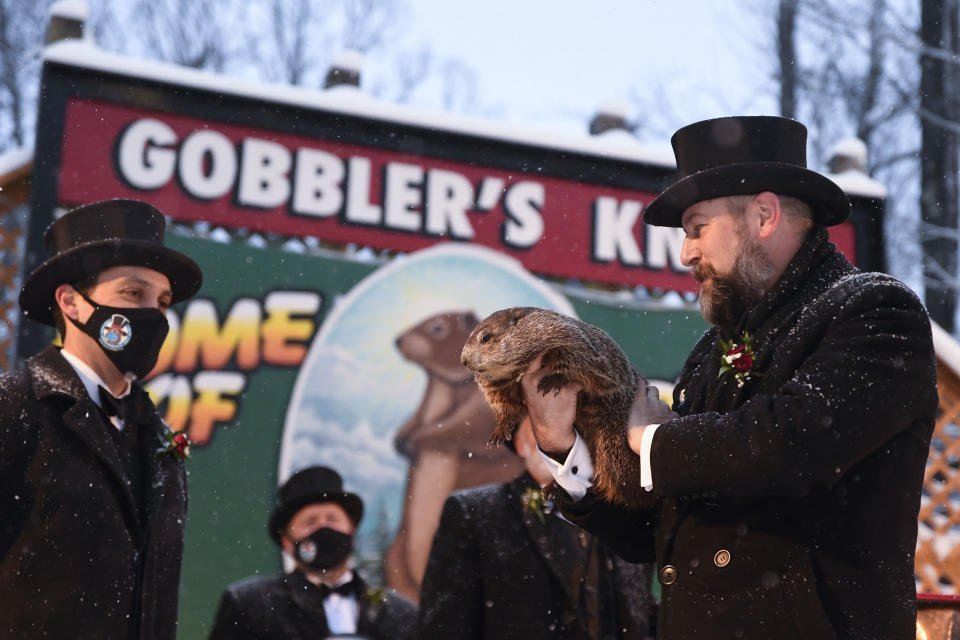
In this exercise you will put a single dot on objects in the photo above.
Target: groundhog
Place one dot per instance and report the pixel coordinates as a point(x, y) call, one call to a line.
point(501, 348)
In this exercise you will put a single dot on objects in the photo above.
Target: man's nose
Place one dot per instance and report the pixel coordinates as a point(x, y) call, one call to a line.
point(689, 253)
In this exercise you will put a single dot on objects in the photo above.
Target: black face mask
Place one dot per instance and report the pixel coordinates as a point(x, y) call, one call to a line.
point(324, 549)
point(130, 337)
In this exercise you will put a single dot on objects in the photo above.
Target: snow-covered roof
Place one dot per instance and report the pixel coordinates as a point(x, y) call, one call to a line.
point(614, 107)
point(86, 55)
point(77, 10)
point(857, 183)
point(350, 59)
point(850, 147)
point(14, 159)
point(948, 349)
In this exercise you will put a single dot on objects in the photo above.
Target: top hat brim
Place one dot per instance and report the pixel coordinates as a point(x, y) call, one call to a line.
point(829, 203)
point(37, 295)
point(282, 514)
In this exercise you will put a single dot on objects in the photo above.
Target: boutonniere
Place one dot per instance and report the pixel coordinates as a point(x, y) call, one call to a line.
point(175, 443)
point(535, 503)
point(376, 596)
point(738, 358)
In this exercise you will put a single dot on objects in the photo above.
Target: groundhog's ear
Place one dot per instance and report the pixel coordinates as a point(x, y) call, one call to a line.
point(469, 320)
point(515, 316)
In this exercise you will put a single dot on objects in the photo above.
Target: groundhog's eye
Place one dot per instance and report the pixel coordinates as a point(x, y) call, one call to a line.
point(485, 338)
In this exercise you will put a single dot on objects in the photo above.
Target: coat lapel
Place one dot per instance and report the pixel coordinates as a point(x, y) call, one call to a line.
point(368, 611)
point(53, 376)
point(309, 599)
point(546, 536)
point(160, 468)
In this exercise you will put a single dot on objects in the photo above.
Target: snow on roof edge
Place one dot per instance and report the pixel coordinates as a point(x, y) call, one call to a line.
point(857, 183)
point(14, 159)
point(86, 55)
point(71, 9)
point(946, 347)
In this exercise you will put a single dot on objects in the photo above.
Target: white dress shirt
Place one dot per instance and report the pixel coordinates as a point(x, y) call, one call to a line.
point(91, 381)
point(575, 473)
point(342, 611)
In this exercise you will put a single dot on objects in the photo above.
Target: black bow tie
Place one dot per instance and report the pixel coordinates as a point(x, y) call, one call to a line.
point(346, 589)
point(133, 407)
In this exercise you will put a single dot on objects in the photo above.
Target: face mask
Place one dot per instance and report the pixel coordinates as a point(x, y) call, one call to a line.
point(129, 336)
point(324, 549)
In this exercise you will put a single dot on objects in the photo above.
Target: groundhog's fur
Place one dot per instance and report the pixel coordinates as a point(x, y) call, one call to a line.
point(501, 348)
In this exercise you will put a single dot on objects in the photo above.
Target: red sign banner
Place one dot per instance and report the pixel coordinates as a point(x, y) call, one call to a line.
point(270, 181)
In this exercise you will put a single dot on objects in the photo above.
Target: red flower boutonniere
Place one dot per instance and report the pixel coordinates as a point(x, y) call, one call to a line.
point(176, 443)
point(738, 358)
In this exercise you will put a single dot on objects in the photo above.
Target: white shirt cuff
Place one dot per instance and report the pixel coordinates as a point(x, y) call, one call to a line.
point(575, 474)
point(646, 443)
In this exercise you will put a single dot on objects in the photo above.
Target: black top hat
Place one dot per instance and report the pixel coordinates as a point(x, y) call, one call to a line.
point(308, 486)
point(100, 235)
point(741, 156)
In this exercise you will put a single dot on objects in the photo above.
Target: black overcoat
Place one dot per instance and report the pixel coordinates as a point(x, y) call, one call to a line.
point(290, 607)
point(77, 558)
point(787, 508)
point(497, 572)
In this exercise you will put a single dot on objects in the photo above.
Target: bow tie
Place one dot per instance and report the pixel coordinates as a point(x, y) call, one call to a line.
point(129, 408)
point(346, 589)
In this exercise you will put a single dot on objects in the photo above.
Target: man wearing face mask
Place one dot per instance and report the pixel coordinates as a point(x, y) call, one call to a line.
point(92, 485)
point(314, 522)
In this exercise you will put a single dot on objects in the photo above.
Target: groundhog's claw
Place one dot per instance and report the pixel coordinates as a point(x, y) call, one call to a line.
point(553, 381)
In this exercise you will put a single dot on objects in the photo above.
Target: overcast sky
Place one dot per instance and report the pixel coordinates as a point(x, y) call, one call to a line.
point(550, 63)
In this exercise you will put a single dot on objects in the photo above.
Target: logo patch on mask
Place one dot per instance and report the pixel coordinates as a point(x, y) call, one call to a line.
point(307, 550)
point(115, 332)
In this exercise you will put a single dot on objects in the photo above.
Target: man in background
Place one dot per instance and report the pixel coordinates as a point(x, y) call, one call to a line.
point(314, 523)
point(505, 565)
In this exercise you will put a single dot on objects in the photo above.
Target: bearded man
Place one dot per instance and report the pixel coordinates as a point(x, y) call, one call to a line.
point(783, 492)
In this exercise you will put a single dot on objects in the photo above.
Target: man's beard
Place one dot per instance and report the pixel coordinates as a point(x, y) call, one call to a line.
point(724, 299)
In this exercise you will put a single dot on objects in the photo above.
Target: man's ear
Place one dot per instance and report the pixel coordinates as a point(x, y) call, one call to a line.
point(287, 545)
point(67, 297)
point(767, 208)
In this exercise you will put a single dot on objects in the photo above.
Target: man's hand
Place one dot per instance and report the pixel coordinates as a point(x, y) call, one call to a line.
point(551, 414)
point(647, 409)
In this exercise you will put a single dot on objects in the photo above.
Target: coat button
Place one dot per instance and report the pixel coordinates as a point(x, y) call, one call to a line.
point(721, 558)
point(668, 575)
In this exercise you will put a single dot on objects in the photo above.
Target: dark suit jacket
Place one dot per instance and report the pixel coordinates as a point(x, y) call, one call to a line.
point(496, 572)
point(76, 558)
point(290, 607)
point(787, 508)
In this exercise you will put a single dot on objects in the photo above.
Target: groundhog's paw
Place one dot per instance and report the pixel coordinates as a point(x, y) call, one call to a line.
point(501, 433)
point(551, 383)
